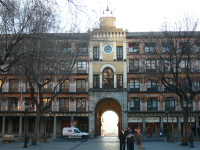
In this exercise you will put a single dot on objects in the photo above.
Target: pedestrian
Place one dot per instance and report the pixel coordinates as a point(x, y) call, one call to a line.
point(139, 140)
point(148, 131)
point(122, 138)
point(198, 130)
point(126, 133)
point(194, 131)
point(130, 138)
point(161, 132)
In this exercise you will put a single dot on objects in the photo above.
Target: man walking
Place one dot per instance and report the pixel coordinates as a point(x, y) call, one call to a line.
point(126, 133)
point(122, 138)
point(139, 140)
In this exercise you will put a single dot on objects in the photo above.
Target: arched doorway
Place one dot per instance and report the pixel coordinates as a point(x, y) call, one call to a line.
point(106, 104)
point(109, 122)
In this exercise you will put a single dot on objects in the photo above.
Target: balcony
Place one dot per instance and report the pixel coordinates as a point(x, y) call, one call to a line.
point(153, 89)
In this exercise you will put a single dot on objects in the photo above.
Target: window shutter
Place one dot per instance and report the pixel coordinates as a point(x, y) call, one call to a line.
point(128, 106)
point(24, 87)
point(58, 105)
point(158, 102)
point(164, 105)
point(74, 104)
point(23, 105)
point(19, 87)
point(175, 105)
point(86, 105)
point(8, 86)
point(140, 105)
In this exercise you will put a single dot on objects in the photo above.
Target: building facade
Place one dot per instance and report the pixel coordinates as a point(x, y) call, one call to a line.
point(110, 77)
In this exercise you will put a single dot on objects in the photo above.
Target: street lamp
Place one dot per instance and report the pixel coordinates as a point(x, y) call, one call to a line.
point(49, 120)
point(191, 136)
point(25, 136)
point(167, 134)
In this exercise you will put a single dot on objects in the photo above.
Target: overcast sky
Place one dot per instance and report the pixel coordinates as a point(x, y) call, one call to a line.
point(141, 15)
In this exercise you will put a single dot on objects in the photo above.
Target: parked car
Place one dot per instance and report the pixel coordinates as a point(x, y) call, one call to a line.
point(70, 132)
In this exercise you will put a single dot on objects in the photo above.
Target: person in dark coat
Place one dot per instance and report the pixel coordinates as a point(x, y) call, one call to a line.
point(126, 133)
point(130, 142)
point(139, 140)
point(122, 138)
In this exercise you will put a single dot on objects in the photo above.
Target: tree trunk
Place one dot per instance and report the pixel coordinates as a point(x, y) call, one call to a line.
point(185, 130)
point(37, 121)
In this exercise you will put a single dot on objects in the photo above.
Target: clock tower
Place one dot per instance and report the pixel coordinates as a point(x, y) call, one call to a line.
point(107, 74)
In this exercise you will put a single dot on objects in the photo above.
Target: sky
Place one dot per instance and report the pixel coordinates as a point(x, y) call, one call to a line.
point(141, 15)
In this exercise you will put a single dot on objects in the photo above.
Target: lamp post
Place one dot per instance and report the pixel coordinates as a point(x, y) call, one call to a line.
point(191, 136)
point(25, 136)
point(49, 120)
point(167, 134)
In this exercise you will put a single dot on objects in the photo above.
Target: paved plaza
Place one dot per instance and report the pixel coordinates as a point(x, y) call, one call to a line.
point(98, 143)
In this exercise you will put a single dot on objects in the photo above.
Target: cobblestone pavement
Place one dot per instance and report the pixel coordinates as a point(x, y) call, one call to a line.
point(98, 143)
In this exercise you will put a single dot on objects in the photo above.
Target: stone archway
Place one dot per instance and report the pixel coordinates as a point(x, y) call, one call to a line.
point(106, 104)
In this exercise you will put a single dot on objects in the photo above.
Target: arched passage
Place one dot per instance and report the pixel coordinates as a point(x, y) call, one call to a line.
point(109, 121)
point(106, 104)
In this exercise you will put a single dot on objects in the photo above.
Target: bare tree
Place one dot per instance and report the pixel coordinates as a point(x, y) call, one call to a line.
point(171, 58)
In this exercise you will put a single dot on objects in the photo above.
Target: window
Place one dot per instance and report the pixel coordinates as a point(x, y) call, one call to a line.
point(119, 53)
point(80, 86)
point(152, 86)
point(63, 104)
point(108, 79)
point(170, 85)
point(96, 53)
point(133, 47)
point(96, 81)
point(166, 47)
point(81, 104)
point(151, 65)
point(82, 50)
point(66, 48)
point(46, 102)
point(184, 66)
point(135, 85)
point(152, 104)
point(170, 103)
point(64, 67)
point(76, 131)
point(198, 65)
point(135, 104)
point(81, 67)
point(119, 81)
point(48, 86)
point(13, 87)
point(13, 101)
point(149, 48)
point(197, 47)
point(65, 86)
point(133, 65)
point(167, 65)
point(31, 103)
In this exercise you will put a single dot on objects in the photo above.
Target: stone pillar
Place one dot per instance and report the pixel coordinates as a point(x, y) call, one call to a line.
point(124, 49)
point(54, 128)
point(114, 50)
point(115, 81)
point(92, 124)
point(144, 126)
point(91, 75)
point(161, 121)
point(3, 125)
point(100, 81)
point(20, 126)
point(101, 50)
point(179, 126)
point(197, 124)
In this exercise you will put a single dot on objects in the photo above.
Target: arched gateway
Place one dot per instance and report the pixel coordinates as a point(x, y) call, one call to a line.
point(101, 102)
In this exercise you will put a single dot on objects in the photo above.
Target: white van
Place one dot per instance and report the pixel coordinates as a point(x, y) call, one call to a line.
point(71, 132)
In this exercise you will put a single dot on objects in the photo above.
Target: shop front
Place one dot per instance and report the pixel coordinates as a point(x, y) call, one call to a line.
point(172, 124)
point(154, 124)
point(135, 122)
point(193, 124)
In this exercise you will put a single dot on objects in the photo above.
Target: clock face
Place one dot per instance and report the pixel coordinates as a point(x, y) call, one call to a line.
point(107, 49)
